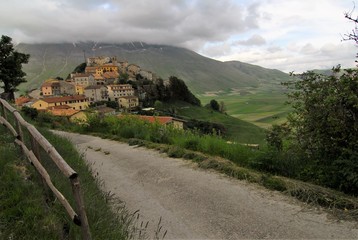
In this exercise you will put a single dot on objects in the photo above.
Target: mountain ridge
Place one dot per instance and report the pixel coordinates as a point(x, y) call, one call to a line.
point(201, 74)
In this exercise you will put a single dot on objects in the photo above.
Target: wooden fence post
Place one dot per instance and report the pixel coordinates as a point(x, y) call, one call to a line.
point(20, 133)
point(86, 233)
point(3, 111)
point(36, 150)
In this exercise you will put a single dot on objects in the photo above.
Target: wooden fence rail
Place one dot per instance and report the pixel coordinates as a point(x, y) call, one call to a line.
point(33, 155)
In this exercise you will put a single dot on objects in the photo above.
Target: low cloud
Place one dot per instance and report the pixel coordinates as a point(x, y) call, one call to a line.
point(255, 40)
point(174, 22)
point(272, 33)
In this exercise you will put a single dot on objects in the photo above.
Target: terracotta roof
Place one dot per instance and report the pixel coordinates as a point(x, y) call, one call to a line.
point(76, 75)
point(50, 84)
point(108, 65)
point(63, 99)
point(90, 69)
point(21, 100)
point(160, 119)
point(110, 75)
point(98, 77)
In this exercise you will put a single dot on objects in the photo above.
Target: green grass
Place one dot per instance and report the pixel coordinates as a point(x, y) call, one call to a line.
point(26, 212)
point(258, 107)
point(23, 211)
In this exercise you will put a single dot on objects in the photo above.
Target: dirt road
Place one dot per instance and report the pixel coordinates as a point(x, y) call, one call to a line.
point(198, 204)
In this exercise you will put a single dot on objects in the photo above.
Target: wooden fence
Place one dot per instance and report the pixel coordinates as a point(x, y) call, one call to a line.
point(33, 154)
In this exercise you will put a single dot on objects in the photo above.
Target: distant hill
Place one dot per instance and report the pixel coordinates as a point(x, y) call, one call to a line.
point(200, 73)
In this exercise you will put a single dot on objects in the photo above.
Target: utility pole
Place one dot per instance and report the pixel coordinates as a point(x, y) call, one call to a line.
point(84, 55)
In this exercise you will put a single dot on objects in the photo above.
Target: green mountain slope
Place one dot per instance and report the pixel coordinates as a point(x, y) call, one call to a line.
point(200, 73)
point(269, 79)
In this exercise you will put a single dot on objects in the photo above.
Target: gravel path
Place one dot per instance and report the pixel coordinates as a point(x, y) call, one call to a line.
point(198, 204)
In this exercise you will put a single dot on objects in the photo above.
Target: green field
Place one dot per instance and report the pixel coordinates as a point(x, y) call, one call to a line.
point(260, 108)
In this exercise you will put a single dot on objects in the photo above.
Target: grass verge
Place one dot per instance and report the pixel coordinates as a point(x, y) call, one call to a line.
point(23, 211)
point(27, 212)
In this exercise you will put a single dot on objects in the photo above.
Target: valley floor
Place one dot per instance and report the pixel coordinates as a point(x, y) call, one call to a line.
point(194, 203)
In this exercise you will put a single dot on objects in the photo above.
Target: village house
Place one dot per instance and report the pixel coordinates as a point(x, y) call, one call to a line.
point(147, 74)
point(80, 90)
point(77, 102)
point(20, 101)
point(122, 66)
point(72, 114)
point(128, 102)
point(99, 79)
point(91, 70)
point(110, 77)
point(95, 61)
point(96, 93)
point(119, 90)
point(51, 87)
point(106, 68)
point(133, 69)
point(84, 79)
point(67, 88)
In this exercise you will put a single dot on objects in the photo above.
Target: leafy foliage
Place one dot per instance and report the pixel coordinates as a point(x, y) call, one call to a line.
point(325, 125)
point(30, 112)
point(214, 105)
point(178, 90)
point(275, 136)
point(175, 90)
point(11, 74)
point(123, 78)
point(80, 68)
point(206, 127)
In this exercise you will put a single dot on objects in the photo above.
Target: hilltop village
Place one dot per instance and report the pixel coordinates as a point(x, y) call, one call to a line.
point(103, 85)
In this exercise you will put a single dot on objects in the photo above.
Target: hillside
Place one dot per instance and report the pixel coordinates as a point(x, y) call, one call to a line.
point(236, 129)
point(200, 73)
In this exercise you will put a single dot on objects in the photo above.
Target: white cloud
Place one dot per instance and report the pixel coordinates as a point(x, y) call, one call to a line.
point(253, 40)
point(288, 35)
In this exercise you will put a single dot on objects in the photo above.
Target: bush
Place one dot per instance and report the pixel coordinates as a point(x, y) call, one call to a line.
point(30, 112)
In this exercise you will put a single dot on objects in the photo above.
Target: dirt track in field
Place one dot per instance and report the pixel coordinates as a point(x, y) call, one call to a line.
point(198, 204)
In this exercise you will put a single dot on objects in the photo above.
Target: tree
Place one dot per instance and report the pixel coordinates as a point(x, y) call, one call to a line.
point(80, 68)
point(123, 78)
point(222, 107)
point(29, 111)
point(214, 105)
point(178, 90)
point(11, 74)
point(325, 124)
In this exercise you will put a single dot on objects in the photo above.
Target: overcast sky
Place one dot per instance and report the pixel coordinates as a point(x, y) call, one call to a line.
point(290, 35)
